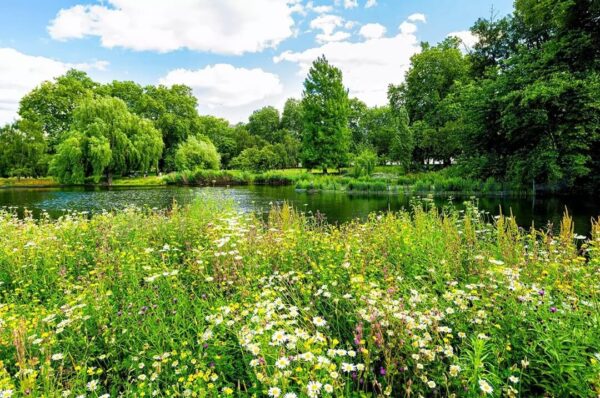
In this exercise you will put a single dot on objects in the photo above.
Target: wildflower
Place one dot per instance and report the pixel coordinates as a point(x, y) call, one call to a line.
point(431, 384)
point(485, 387)
point(524, 363)
point(328, 388)
point(92, 385)
point(282, 363)
point(318, 321)
point(313, 388)
point(454, 370)
point(290, 395)
point(279, 337)
point(513, 379)
point(104, 396)
point(348, 367)
point(274, 392)
point(553, 309)
point(57, 357)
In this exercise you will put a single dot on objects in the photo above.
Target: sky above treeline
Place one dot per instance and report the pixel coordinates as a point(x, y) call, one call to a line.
point(237, 55)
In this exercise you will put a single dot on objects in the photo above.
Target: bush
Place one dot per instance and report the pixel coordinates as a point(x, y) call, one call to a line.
point(197, 153)
point(364, 164)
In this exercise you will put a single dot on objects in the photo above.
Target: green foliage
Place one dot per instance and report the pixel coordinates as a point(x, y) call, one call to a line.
point(264, 123)
point(258, 160)
point(51, 105)
point(143, 302)
point(22, 150)
point(364, 163)
point(106, 138)
point(291, 118)
point(326, 137)
point(197, 153)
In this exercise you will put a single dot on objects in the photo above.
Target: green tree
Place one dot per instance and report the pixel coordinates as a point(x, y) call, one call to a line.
point(22, 150)
point(291, 117)
point(431, 84)
point(197, 153)
point(51, 104)
point(264, 123)
point(356, 116)
point(173, 110)
point(326, 136)
point(106, 138)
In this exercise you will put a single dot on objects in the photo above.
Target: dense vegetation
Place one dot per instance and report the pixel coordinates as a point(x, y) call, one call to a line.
point(521, 107)
point(204, 301)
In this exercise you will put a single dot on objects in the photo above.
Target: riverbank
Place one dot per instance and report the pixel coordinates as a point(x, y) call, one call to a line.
point(206, 300)
point(386, 180)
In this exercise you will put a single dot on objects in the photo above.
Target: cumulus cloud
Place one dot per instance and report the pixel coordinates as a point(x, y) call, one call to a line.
point(417, 17)
point(370, 3)
point(372, 31)
point(407, 27)
point(322, 9)
point(350, 3)
point(468, 39)
point(227, 91)
point(368, 66)
point(327, 24)
point(20, 73)
point(223, 27)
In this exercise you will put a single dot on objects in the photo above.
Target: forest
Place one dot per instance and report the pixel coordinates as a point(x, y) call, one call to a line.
point(522, 106)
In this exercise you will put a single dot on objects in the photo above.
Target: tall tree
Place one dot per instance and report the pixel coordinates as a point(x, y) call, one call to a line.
point(51, 104)
point(264, 123)
point(433, 78)
point(326, 136)
point(291, 117)
point(106, 139)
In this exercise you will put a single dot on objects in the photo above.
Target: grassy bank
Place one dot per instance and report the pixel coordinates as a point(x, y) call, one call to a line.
point(206, 302)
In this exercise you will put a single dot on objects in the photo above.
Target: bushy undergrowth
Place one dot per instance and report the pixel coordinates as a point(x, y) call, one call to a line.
point(205, 301)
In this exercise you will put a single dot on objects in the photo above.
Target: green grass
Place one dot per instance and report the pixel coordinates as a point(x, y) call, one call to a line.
point(206, 301)
point(27, 182)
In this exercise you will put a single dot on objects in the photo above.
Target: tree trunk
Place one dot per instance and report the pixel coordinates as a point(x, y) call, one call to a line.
point(109, 178)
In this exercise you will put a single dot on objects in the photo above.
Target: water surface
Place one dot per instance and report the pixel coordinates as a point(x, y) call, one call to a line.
point(334, 206)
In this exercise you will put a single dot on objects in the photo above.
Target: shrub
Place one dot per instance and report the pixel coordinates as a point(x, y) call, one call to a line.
point(197, 153)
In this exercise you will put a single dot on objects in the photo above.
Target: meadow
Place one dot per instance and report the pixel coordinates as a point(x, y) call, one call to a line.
point(206, 301)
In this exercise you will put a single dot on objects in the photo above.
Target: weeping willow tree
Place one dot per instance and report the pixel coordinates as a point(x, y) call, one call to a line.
point(106, 140)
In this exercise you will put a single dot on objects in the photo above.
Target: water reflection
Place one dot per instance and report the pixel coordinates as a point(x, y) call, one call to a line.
point(336, 207)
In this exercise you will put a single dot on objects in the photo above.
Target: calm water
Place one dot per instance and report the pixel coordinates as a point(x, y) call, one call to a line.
point(336, 207)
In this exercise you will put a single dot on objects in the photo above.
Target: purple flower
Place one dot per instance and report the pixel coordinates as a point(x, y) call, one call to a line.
point(382, 371)
point(553, 309)
point(541, 292)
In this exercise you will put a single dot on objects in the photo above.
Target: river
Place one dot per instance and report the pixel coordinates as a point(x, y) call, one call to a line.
point(334, 206)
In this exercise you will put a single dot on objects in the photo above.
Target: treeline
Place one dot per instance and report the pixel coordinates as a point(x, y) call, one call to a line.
point(521, 107)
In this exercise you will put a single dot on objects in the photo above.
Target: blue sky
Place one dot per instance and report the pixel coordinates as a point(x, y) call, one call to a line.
point(237, 55)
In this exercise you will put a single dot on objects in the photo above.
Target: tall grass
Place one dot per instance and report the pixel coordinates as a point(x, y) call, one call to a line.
point(206, 301)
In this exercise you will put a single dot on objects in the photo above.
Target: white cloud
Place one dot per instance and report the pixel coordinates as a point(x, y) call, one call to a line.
point(407, 28)
point(350, 3)
point(370, 3)
point(372, 31)
point(318, 9)
point(223, 27)
point(468, 39)
point(20, 73)
point(368, 66)
point(226, 91)
point(417, 17)
point(327, 24)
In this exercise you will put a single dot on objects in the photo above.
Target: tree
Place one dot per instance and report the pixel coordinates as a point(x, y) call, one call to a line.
point(106, 138)
point(264, 123)
point(433, 79)
point(258, 160)
point(51, 104)
point(22, 150)
point(197, 153)
point(291, 118)
point(326, 137)
point(356, 115)
point(173, 110)
point(364, 163)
